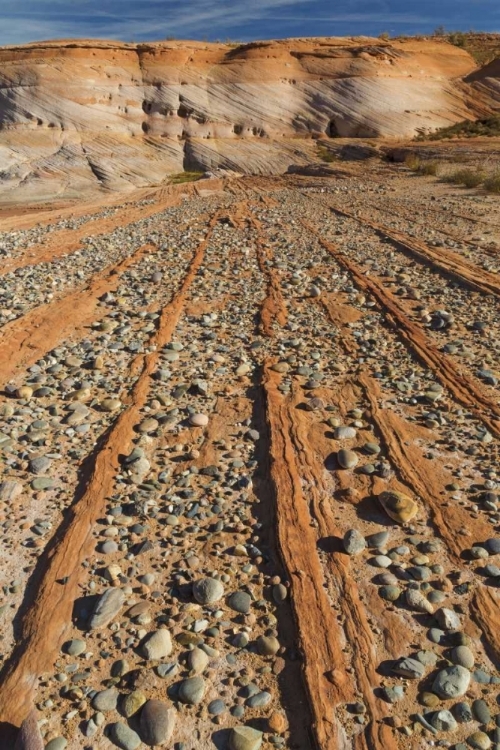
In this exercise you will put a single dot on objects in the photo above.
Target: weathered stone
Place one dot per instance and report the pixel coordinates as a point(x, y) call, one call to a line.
point(105, 700)
point(451, 682)
point(192, 690)
point(132, 703)
point(347, 459)
point(123, 737)
point(157, 645)
point(29, 737)
point(245, 738)
point(409, 668)
point(240, 601)
point(354, 542)
point(267, 645)
point(208, 590)
point(398, 506)
point(10, 491)
point(157, 723)
point(107, 607)
point(447, 619)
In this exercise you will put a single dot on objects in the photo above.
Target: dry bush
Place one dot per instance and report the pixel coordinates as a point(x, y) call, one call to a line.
point(176, 179)
point(429, 168)
point(466, 176)
point(325, 154)
point(413, 162)
point(489, 126)
point(492, 183)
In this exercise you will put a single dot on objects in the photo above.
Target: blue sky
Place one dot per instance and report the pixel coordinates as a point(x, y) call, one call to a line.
point(31, 20)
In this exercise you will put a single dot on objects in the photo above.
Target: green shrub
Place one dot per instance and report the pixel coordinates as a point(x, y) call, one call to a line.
point(176, 179)
point(492, 183)
point(489, 126)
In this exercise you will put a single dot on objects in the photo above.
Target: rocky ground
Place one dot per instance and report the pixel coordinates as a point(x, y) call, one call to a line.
point(249, 491)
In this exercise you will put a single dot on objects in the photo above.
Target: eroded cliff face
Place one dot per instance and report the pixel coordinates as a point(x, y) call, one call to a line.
point(75, 115)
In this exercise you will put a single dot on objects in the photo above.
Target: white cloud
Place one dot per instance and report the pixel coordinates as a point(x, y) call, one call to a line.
point(34, 20)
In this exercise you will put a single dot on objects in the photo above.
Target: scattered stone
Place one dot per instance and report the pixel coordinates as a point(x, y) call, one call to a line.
point(462, 712)
point(157, 645)
point(197, 660)
point(123, 737)
point(443, 721)
point(479, 741)
point(267, 645)
point(132, 703)
point(417, 601)
point(344, 432)
point(354, 542)
point(208, 590)
point(106, 609)
point(74, 647)
point(240, 601)
point(409, 668)
point(10, 491)
point(192, 690)
point(245, 738)
point(398, 506)
point(389, 593)
point(451, 682)
point(58, 743)
point(447, 619)
point(157, 723)
point(481, 711)
point(105, 700)
point(198, 420)
point(347, 459)
point(463, 656)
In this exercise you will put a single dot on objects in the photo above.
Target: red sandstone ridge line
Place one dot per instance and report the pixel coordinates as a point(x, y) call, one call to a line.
point(67, 241)
point(441, 260)
point(484, 610)
point(376, 734)
point(29, 337)
point(410, 464)
point(273, 309)
point(317, 627)
point(461, 386)
point(47, 620)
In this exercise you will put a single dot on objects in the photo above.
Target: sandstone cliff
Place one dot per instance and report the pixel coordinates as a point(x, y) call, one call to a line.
point(79, 114)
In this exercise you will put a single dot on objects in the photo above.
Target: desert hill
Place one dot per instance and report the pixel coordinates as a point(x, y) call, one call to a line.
point(81, 115)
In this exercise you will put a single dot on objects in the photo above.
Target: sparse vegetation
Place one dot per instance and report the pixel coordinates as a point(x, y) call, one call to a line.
point(492, 183)
point(384, 36)
point(458, 38)
point(482, 46)
point(413, 162)
point(180, 177)
point(490, 126)
point(429, 168)
point(467, 176)
point(416, 164)
point(325, 154)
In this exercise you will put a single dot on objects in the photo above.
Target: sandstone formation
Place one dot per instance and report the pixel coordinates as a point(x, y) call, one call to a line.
point(81, 115)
